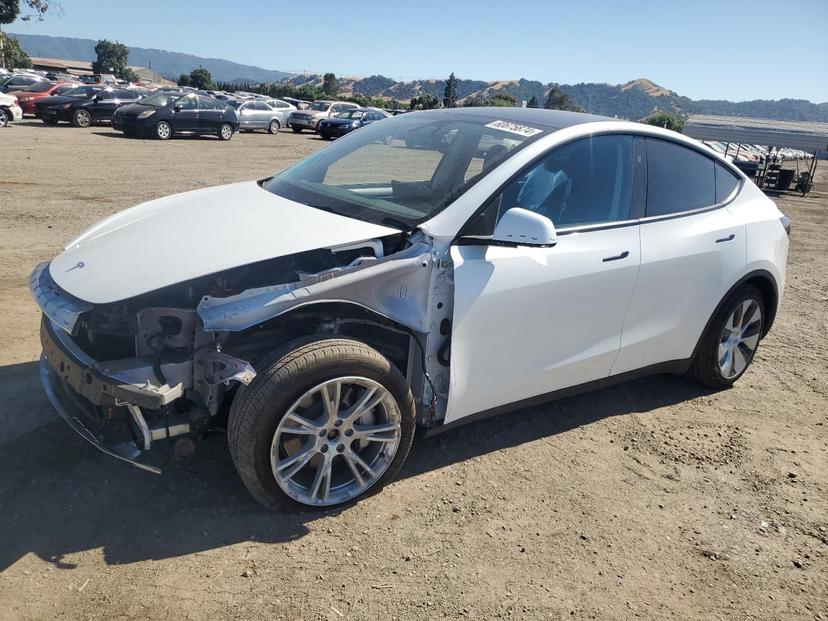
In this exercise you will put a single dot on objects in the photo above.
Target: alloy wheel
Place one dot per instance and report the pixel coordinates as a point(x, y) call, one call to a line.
point(4, 118)
point(83, 118)
point(164, 130)
point(226, 132)
point(335, 441)
point(739, 338)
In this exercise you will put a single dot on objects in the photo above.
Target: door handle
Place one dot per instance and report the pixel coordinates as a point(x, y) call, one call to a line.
point(730, 237)
point(617, 257)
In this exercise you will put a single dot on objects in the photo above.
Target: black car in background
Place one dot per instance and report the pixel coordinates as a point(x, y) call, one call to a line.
point(163, 114)
point(52, 109)
point(348, 121)
point(99, 109)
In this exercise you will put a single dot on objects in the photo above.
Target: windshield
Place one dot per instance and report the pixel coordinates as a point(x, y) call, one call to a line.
point(38, 87)
point(159, 100)
point(405, 170)
point(351, 114)
point(81, 91)
point(321, 106)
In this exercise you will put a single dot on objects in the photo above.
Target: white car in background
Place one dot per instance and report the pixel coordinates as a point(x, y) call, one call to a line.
point(320, 109)
point(427, 270)
point(10, 109)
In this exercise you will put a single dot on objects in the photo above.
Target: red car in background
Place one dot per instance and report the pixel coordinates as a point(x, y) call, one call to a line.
point(29, 95)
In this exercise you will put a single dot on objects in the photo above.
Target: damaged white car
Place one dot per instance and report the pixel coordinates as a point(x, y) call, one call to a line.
point(425, 270)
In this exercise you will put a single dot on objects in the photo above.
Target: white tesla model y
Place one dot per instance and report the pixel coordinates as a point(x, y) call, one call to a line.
point(427, 269)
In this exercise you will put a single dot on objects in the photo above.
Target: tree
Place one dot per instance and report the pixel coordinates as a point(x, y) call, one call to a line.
point(664, 119)
point(112, 58)
point(558, 100)
point(533, 103)
point(201, 79)
point(502, 100)
point(423, 102)
point(10, 11)
point(13, 54)
point(450, 92)
point(184, 80)
point(329, 85)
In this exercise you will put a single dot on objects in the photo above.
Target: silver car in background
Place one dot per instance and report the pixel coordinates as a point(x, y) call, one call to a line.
point(255, 115)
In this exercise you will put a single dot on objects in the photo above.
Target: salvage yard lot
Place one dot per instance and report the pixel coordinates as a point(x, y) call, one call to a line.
point(655, 498)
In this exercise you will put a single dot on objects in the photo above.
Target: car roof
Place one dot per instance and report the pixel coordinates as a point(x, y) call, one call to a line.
point(552, 119)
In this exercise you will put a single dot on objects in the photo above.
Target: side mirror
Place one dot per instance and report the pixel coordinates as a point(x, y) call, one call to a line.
point(177, 108)
point(521, 227)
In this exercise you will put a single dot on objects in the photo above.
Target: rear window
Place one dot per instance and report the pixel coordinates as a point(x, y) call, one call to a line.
point(678, 178)
point(726, 183)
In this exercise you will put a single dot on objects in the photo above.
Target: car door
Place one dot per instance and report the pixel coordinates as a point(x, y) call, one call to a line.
point(692, 250)
point(209, 114)
point(531, 320)
point(185, 114)
point(246, 113)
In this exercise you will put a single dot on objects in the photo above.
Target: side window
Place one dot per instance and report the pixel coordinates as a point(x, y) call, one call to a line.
point(121, 94)
point(588, 181)
point(187, 103)
point(336, 108)
point(678, 178)
point(726, 183)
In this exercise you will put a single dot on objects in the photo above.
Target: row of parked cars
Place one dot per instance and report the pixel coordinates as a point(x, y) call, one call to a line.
point(164, 112)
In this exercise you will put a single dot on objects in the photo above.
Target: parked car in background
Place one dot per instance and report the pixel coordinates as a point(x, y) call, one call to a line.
point(101, 107)
point(9, 109)
point(31, 94)
point(318, 110)
point(164, 114)
point(51, 109)
point(255, 115)
point(16, 81)
point(348, 121)
point(299, 104)
point(100, 78)
point(87, 111)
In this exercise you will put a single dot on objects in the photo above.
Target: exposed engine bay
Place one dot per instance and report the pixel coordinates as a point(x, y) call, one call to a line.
point(168, 363)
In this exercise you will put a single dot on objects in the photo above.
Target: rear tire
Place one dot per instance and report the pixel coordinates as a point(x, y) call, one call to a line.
point(82, 118)
point(274, 127)
point(729, 345)
point(4, 117)
point(163, 130)
point(225, 132)
point(281, 416)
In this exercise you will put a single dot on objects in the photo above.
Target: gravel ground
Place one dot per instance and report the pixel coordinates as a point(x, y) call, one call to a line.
point(652, 499)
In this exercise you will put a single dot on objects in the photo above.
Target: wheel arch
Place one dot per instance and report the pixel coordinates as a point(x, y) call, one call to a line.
point(765, 282)
point(328, 318)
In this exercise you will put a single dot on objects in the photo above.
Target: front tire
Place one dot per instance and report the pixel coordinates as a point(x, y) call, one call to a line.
point(163, 130)
point(321, 425)
point(4, 117)
point(730, 343)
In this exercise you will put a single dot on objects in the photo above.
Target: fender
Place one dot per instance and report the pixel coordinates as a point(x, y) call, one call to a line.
point(770, 306)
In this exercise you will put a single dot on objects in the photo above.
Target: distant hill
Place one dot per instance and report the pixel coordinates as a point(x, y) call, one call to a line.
point(632, 100)
point(168, 64)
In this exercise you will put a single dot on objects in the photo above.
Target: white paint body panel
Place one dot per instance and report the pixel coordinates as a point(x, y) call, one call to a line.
point(528, 321)
point(684, 274)
point(177, 238)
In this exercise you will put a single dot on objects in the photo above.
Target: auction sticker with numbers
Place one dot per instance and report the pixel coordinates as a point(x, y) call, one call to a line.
point(515, 128)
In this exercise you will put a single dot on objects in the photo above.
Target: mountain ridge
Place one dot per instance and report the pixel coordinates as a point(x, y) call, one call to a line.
point(634, 99)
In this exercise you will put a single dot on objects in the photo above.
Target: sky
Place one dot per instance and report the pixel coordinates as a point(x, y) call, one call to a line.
point(703, 49)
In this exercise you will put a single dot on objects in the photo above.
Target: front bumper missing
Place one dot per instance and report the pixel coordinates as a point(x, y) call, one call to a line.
point(89, 421)
point(126, 381)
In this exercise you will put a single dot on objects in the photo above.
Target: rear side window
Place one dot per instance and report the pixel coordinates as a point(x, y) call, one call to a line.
point(726, 183)
point(678, 178)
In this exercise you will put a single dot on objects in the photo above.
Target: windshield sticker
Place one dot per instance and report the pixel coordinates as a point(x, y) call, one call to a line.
point(515, 128)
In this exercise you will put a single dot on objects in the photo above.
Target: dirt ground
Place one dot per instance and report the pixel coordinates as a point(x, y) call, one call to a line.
point(654, 499)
